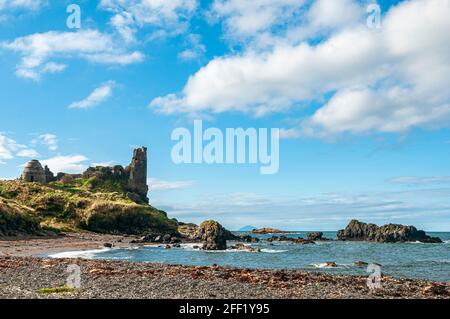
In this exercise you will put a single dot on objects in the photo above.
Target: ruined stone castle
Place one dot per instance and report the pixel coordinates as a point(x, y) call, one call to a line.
point(133, 177)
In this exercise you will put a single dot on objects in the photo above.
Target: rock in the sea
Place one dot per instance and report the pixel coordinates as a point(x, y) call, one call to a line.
point(166, 238)
point(248, 239)
point(267, 230)
point(330, 264)
point(213, 235)
point(108, 245)
point(243, 247)
point(315, 235)
point(303, 241)
point(390, 233)
point(360, 264)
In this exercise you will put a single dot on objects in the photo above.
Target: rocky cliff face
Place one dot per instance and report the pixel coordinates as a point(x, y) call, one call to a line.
point(390, 233)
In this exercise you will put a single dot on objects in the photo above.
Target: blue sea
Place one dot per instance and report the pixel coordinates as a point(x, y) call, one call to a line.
point(406, 260)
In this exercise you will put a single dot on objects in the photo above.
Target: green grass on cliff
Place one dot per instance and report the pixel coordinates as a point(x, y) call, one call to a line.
point(75, 206)
point(16, 219)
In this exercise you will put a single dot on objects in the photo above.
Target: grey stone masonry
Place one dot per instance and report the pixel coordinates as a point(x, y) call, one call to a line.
point(33, 172)
point(137, 181)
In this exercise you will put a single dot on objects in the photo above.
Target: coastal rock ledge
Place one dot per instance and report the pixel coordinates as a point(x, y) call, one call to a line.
point(390, 233)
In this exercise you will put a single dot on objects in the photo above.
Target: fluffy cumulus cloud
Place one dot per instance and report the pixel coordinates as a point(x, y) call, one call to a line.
point(389, 79)
point(47, 139)
point(163, 17)
point(68, 164)
point(40, 50)
point(9, 149)
point(99, 95)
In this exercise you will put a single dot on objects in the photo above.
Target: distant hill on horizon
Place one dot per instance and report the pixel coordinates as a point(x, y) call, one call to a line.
point(247, 228)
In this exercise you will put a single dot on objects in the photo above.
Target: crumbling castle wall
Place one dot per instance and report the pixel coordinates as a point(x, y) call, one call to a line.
point(137, 181)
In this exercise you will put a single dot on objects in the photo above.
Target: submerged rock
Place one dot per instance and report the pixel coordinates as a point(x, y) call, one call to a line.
point(360, 264)
point(390, 233)
point(303, 241)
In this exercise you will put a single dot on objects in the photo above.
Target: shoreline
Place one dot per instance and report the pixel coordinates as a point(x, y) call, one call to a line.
point(22, 274)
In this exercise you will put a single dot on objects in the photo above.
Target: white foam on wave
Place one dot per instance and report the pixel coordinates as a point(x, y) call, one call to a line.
point(273, 251)
point(86, 254)
point(326, 266)
point(191, 246)
point(414, 242)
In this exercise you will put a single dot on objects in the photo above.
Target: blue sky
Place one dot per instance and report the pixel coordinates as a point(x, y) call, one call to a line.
point(364, 113)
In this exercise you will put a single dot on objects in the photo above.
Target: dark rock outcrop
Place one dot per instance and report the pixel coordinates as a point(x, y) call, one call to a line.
point(213, 235)
point(315, 235)
point(303, 241)
point(389, 233)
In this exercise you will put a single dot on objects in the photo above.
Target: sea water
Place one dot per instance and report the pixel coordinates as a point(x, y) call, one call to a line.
point(406, 260)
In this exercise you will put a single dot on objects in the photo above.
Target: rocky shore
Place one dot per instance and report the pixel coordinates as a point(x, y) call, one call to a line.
point(29, 277)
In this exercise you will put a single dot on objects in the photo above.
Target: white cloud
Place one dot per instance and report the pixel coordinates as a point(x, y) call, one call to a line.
point(195, 49)
point(164, 17)
point(9, 148)
point(28, 153)
point(325, 17)
point(99, 95)
point(22, 4)
point(420, 180)
point(246, 20)
point(105, 164)
point(50, 140)
point(156, 184)
point(37, 49)
point(380, 80)
point(67, 164)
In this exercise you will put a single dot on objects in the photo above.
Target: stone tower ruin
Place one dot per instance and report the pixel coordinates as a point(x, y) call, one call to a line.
point(137, 180)
point(33, 172)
